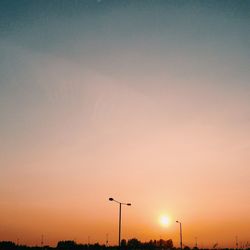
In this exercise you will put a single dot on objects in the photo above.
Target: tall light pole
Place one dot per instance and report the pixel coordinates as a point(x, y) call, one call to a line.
point(180, 233)
point(120, 217)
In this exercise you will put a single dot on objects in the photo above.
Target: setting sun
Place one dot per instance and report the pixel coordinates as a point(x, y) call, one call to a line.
point(164, 220)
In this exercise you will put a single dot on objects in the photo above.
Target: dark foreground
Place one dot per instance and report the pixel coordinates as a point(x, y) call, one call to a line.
point(132, 244)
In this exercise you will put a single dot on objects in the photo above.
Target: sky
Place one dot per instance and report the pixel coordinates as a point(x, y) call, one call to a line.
point(140, 100)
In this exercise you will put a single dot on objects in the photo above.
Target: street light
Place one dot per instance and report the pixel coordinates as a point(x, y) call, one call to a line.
point(120, 217)
point(180, 233)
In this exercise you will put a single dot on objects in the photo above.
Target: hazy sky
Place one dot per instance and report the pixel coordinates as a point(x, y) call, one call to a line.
point(146, 101)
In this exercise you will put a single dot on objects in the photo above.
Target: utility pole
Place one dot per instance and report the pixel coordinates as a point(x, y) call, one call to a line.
point(180, 233)
point(120, 217)
point(107, 240)
point(42, 240)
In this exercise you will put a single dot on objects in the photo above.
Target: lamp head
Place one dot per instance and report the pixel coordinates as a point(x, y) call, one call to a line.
point(111, 199)
point(128, 204)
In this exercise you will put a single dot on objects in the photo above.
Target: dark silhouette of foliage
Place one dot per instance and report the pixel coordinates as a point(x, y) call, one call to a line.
point(123, 243)
point(68, 244)
point(7, 245)
point(133, 243)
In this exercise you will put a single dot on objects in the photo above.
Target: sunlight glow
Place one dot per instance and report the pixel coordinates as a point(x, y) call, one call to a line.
point(164, 220)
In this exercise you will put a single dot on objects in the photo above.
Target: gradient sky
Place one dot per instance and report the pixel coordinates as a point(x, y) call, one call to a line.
point(144, 101)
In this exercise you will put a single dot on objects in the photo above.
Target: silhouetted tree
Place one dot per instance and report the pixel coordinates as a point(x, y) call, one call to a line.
point(123, 243)
point(169, 244)
point(133, 243)
point(68, 244)
point(165, 244)
point(7, 245)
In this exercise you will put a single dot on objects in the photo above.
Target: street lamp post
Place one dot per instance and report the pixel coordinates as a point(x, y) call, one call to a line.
point(120, 217)
point(180, 233)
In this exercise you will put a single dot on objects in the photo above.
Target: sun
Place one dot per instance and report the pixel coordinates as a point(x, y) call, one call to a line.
point(164, 220)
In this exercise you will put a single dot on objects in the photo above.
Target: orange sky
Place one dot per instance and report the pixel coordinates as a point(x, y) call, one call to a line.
point(153, 111)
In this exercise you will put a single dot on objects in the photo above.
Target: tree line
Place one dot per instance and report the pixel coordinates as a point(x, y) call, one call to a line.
point(72, 245)
point(131, 244)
